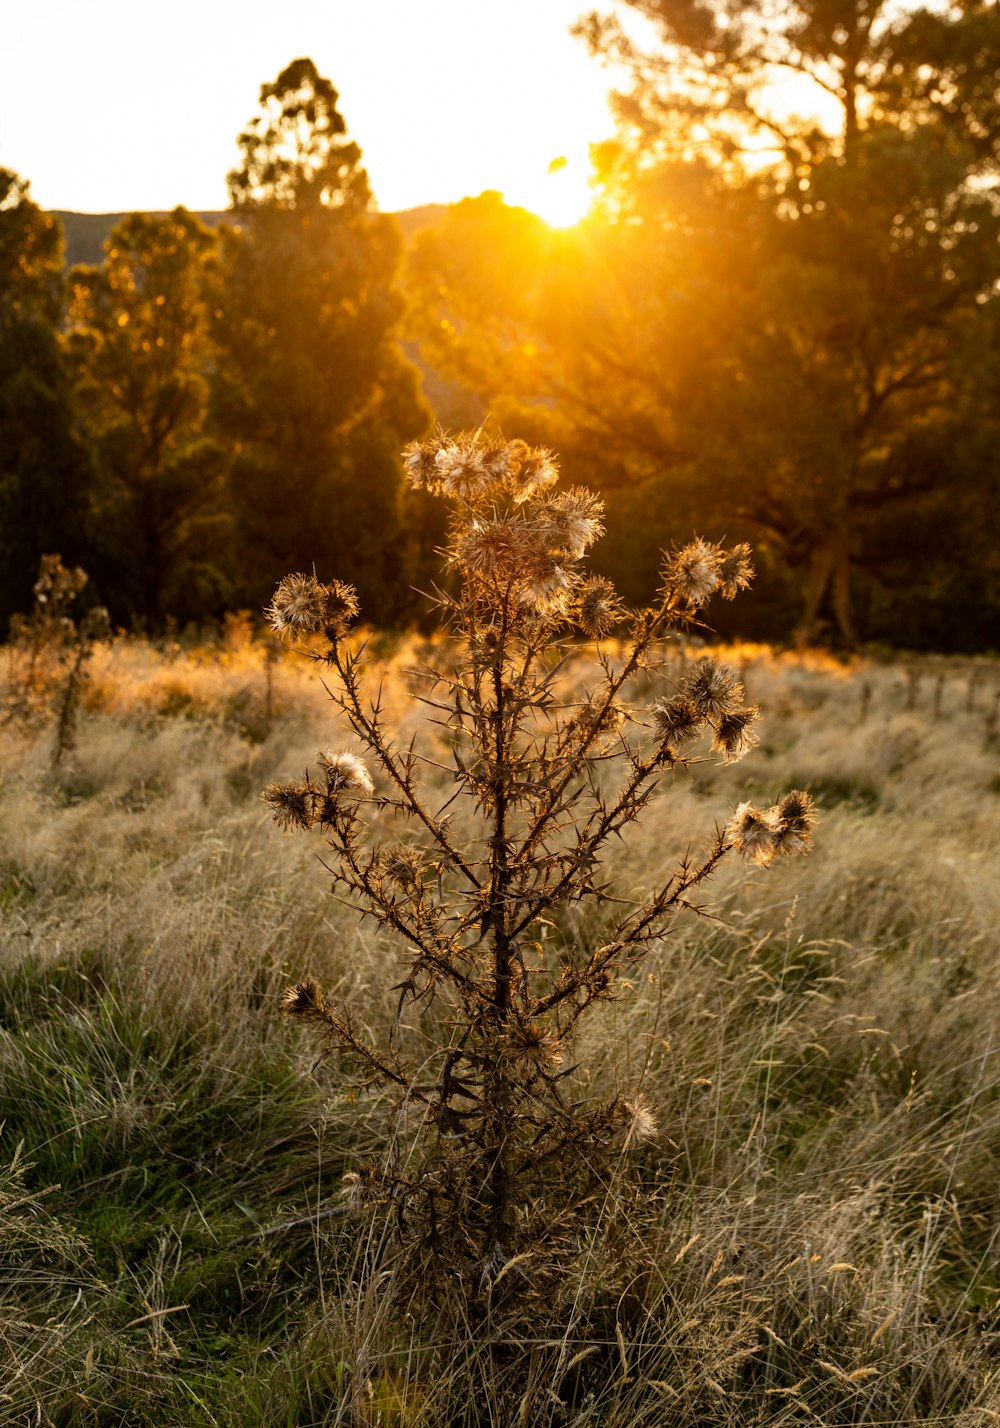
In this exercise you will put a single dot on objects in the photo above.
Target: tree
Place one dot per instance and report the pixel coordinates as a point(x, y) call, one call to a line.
point(44, 471)
point(139, 351)
point(862, 254)
point(311, 383)
point(771, 319)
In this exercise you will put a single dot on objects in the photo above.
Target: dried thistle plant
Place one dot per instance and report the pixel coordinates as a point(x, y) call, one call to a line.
point(549, 778)
point(46, 635)
point(94, 626)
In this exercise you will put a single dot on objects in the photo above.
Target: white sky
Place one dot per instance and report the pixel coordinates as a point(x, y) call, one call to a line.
point(110, 105)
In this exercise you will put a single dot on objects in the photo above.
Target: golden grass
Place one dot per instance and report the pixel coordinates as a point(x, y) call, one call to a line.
point(811, 1237)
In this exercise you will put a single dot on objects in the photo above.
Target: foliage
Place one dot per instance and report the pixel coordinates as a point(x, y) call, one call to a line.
point(138, 347)
point(44, 469)
point(784, 310)
point(311, 389)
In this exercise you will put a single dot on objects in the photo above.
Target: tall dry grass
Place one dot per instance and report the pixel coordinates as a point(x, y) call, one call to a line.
point(812, 1236)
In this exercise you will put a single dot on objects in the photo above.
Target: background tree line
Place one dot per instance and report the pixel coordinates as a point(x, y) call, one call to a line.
point(769, 329)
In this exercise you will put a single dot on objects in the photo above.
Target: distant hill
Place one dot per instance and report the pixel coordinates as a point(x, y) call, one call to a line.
point(86, 232)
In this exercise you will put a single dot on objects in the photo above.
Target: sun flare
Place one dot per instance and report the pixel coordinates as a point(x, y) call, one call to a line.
point(561, 195)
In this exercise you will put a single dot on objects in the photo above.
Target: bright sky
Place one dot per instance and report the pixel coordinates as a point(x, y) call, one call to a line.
point(110, 105)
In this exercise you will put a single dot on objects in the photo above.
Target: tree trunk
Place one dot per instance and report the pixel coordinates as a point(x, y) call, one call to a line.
point(829, 571)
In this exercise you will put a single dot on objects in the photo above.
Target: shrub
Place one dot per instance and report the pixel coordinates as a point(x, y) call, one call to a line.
point(482, 880)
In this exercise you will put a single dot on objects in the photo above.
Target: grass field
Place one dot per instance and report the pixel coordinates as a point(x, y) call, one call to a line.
point(813, 1235)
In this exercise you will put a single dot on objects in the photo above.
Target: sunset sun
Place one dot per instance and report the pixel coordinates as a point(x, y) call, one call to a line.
point(561, 194)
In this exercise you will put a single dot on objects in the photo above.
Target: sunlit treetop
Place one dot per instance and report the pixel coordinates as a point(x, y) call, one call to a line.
point(296, 154)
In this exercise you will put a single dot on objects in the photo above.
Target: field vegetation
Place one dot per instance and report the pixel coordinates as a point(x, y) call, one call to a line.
point(809, 1236)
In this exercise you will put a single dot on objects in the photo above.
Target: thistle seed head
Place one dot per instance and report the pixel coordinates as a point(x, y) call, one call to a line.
point(304, 999)
point(293, 805)
point(734, 733)
point(303, 606)
point(571, 522)
point(420, 466)
point(345, 773)
point(796, 819)
point(547, 589)
point(713, 687)
point(735, 571)
point(493, 548)
point(755, 834)
point(599, 608)
point(537, 1045)
point(461, 469)
point(531, 471)
point(677, 720)
point(401, 865)
point(693, 572)
point(503, 459)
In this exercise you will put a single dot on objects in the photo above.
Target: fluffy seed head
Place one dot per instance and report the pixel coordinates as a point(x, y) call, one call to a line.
point(599, 608)
point(642, 1121)
point(303, 606)
point(304, 999)
point(735, 571)
point(547, 588)
point(352, 1190)
point(571, 522)
point(293, 805)
point(537, 1045)
point(420, 465)
point(493, 547)
point(796, 819)
point(677, 720)
point(345, 773)
point(734, 733)
point(532, 471)
point(461, 469)
point(754, 833)
point(693, 572)
point(503, 459)
point(713, 687)
point(402, 865)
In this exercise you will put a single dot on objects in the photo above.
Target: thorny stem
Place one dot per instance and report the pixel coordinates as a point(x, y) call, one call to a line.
point(630, 937)
point(614, 686)
point(497, 1097)
point(370, 731)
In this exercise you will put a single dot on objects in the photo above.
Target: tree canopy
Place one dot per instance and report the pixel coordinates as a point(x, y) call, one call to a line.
point(310, 381)
point(137, 346)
